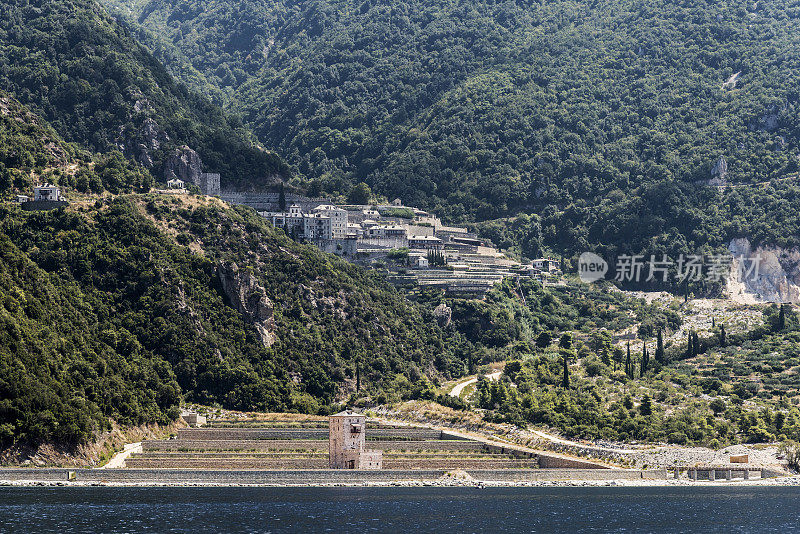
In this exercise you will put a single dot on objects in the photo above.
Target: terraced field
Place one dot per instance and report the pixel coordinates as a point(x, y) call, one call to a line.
point(268, 444)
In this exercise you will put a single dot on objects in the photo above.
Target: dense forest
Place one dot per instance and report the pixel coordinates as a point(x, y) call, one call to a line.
point(606, 119)
point(122, 307)
point(118, 310)
point(84, 73)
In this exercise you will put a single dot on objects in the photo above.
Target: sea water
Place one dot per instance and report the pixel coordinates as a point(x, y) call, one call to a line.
point(406, 510)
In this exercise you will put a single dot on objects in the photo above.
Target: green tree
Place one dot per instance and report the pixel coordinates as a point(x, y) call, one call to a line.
point(645, 360)
point(628, 363)
point(360, 194)
point(660, 347)
point(544, 339)
point(646, 407)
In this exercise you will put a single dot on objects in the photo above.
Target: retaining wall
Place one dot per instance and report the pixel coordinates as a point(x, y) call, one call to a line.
point(551, 461)
point(322, 476)
point(532, 475)
point(310, 445)
point(313, 454)
point(322, 463)
point(303, 433)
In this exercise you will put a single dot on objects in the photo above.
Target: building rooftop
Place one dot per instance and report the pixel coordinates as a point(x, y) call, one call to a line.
point(327, 207)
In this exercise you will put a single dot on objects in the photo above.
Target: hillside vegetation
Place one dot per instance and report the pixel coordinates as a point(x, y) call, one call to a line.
point(83, 72)
point(604, 118)
point(105, 315)
point(729, 388)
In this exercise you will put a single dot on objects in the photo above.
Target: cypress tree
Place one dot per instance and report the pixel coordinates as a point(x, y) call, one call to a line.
point(565, 381)
point(782, 318)
point(689, 345)
point(628, 366)
point(660, 347)
point(645, 362)
point(722, 335)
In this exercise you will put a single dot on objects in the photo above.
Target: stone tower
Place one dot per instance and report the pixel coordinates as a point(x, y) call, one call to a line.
point(346, 439)
point(209, 184)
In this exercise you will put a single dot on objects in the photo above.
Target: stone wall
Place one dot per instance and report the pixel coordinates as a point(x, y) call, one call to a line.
point(532, 475)
point(322, 463)
point(309, 445)
point(551, 461)
point(208, 434)
point(321, 476)
point(269, 201)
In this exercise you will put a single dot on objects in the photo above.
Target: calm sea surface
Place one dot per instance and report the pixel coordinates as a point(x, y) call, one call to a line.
point(407, 510)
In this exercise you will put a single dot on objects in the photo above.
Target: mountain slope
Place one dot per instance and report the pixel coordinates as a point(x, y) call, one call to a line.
point(79, 69)
point(488, 109)
point(121, 310)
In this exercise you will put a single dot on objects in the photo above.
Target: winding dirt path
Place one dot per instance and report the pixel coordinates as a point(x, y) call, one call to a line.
point(118, 460)
point(459, 388)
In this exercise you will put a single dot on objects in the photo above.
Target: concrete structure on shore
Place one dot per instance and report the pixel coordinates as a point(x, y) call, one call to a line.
point(194, 419)
point(346, 439)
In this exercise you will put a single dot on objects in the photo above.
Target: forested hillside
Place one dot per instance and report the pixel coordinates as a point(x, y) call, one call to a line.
point(121, 307)
point(124, 308)
point(83, 72)
point(592, 114)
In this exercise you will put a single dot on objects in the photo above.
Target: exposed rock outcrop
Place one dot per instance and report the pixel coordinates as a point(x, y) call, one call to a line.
point(443, 314)
point(149, 139)
point(185, 164)
point(247, 295)
point(719, 172)
point(775, 279)
point(730, 83)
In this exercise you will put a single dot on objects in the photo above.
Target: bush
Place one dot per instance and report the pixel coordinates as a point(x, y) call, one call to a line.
point(678, 438)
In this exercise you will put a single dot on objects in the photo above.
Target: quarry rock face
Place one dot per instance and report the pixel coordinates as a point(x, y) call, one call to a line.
point(248, 297)
point(185, 164)
point(777, 278)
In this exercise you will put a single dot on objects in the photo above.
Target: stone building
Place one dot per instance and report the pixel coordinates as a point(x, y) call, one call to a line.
point(209, 183)
point(346, 439)
point(45, 197)
point(47, 192)
point(338, 220)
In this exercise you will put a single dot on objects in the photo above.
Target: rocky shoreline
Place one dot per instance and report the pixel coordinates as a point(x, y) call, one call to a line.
point(442, 483)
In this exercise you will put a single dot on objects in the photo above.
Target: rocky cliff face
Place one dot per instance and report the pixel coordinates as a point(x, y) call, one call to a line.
point(149, 139)
point(184, 163)
point(249, 298)
point(776, 279)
